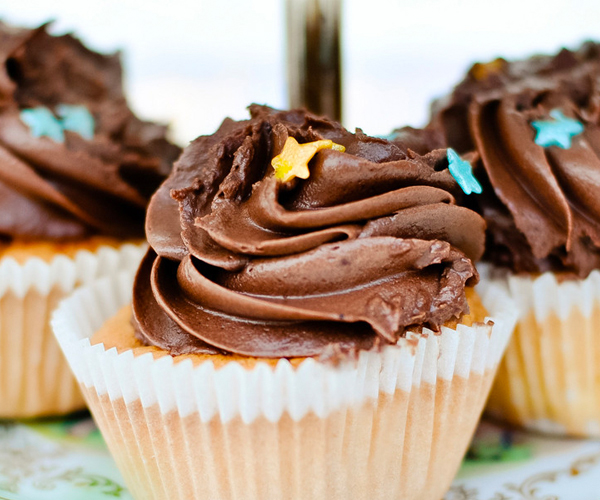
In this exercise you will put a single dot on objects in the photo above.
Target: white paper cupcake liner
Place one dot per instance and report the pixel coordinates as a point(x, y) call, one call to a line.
point(393, 424)
point(549, 380)
point(34, 378)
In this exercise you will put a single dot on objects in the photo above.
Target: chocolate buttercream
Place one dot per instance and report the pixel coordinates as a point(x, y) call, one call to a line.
point(370, 244)
point(68, 190)
point(540, 203)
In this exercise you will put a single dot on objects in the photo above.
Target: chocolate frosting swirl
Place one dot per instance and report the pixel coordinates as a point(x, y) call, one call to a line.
point(59, 191)
point(241, 262)
point(541, 203)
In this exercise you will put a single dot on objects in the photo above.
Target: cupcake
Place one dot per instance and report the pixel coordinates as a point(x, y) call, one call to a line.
point(76, 172)
point(304, 325)
point(535, 126)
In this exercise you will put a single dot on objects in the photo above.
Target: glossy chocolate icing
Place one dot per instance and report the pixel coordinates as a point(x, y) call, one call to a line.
point(370, 244)
point(56, 190)
point(541, 204)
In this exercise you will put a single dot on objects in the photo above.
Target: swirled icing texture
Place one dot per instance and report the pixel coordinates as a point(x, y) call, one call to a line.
point(541, 204)
point(68, 190)
point(370, 244)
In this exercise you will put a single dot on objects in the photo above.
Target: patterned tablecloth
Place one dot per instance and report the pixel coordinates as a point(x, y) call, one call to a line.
point(67, 460)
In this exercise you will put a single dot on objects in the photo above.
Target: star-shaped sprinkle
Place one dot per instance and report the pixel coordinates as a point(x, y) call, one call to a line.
point(462, 173)
point(42, 122)
point(482, 71)
point(293, 159)
point(77, 119)
point(388, 137)
point(558, 131)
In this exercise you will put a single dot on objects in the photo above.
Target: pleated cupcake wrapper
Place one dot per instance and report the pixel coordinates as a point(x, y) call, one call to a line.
point(35, 380)
point(390, 425)
point(550, 378)
point(66, 273)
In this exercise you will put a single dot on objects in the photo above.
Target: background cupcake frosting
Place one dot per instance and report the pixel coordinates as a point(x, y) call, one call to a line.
point(535, 125)
point(75, 161)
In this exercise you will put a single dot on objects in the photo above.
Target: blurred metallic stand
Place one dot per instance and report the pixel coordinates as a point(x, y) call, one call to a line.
point(313, 56)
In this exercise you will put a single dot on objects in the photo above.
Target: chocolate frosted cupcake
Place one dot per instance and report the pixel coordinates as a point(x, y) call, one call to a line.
point(535, 125)
point(304, 325)
point(76, 172)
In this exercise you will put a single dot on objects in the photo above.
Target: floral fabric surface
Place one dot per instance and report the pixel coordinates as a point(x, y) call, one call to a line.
point(57, 460)
point(68, 460)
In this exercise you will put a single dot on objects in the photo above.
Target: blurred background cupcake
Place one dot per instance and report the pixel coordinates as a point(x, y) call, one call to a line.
point(535, 126)
point(305, 324)
point(77, 169)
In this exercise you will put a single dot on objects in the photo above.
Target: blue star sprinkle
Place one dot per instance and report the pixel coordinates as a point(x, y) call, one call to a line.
point(388, 137)
point(42, 122)
point(462, 173)
point(77, 119)
point(556, 132)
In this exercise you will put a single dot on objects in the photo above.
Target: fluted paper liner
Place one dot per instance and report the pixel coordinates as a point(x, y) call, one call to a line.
point(35, 380)
point(550, 378)
point(393, 424)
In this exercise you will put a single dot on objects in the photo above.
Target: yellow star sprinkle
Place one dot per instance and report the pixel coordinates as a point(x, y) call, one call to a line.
point(293, 159)
point(482, 71)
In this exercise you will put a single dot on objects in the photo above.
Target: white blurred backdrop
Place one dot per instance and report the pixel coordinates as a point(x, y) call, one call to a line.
point(192, 62)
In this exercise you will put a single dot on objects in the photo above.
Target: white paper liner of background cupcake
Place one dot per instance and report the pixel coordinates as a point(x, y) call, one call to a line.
point(549, 379)
point(392, 425)
point(34, 377)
